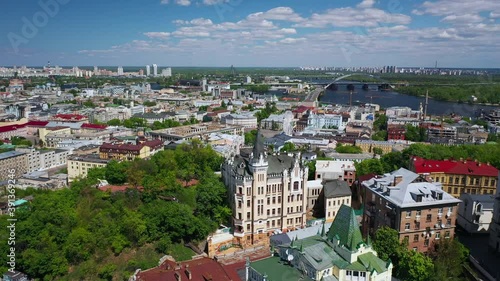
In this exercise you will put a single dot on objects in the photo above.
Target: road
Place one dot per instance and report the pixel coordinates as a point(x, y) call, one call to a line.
point(313, 96)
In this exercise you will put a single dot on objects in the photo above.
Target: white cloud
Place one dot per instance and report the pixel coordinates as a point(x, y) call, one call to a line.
point(278, 13)
point(352, 17)
point(157, 35)
point(457, 7)
point(494, 15)
point(462, 19)
point(178, 2)
point(214, 2)
point(366, 4)
point(292, 40)
point(183, 2)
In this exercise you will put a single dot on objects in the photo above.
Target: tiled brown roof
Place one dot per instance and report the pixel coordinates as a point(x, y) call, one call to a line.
point(200, 269)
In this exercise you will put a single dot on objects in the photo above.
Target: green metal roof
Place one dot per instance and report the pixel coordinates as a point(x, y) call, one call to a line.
point(345, 228)
point(370, 262)
point(277, 270)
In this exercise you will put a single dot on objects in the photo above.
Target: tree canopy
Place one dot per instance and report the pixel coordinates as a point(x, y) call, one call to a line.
point(84, 229)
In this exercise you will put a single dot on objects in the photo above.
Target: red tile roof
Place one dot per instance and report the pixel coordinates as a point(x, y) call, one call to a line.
point(94, 126)
point(35, 123)
point(467, 167)
point(9, 128)
point(302, 109)
point(70, 116)
point(119, 188)
point(200, 269)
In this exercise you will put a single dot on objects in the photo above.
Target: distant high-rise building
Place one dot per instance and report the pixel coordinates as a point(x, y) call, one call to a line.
point(249, 79)
point(166, 72)
point(141, 72)
point(148, 70)
point(120, 70)
point(155, 70)
point(96, 70)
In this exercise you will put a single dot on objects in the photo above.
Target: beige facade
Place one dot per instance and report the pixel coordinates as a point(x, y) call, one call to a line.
point(79, 165)
point(13, 165)
point(267, 194)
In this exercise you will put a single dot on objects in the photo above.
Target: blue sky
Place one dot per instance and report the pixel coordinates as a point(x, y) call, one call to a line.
point(456, 33)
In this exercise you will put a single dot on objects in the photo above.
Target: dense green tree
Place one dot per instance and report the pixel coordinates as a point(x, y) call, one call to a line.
point(414, 266)
point(370, 166)
point(250, 137)
point(348, 149)
point(378, 151)
point(288, 147)
point(449, 257)
point(114, 122)
point(417, 134)
point(116, 172)
point(386, 243)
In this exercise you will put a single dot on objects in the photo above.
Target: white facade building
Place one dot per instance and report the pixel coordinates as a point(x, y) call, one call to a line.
point(494, 241)
point(148, 70)
point(155, 70)
point(283, 122)
point(325, 121)
point(475, 212)
point(166, 72)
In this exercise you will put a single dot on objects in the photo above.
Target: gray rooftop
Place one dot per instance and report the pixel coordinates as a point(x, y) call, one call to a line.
point(336, 188)
point(412, 190)
point(10, 154)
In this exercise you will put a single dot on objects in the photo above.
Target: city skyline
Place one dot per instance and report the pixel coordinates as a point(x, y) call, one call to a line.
point(213, 33)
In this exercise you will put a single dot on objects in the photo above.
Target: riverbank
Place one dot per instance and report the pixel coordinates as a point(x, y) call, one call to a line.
point(482, 94)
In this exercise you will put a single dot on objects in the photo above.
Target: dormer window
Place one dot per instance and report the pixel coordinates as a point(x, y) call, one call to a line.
point(419, 198)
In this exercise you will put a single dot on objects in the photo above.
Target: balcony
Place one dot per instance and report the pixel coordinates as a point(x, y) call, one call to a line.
point(237, 221)
point(239, 233)
point(417, 218)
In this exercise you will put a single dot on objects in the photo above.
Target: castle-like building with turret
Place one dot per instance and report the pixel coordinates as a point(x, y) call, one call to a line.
point(267, 193)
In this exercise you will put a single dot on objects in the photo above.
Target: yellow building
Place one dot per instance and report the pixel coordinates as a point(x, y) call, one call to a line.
point(368, 145)
point(79, 165)
point(458, 176)
point(44, 132)
point(125, 151)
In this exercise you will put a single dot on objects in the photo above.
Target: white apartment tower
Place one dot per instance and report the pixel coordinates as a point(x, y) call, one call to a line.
point(148, 70)
point(166, 72)
point(267, 193)
point(120, 71)
point(155, 70)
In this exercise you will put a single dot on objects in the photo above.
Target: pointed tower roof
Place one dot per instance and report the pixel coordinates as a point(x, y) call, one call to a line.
point(345, 228)
point(258, 146)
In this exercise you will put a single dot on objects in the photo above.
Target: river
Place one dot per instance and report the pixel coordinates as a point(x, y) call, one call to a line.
point(388, 99)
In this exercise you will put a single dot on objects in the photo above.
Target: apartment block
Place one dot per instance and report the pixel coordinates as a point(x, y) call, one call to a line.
point(13, 163)
point(458, 176)
point(418, 209)
point(79, 165)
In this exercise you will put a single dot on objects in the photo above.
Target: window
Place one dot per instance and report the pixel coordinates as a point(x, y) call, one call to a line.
point(456, 180)
point(447, 234)
point(248, 229)
point(448, 222)
point(440, 210)
point(419, 213)
point(426, 243)
point(477, 181)
point(408, 214)
point(296, 186)
point(329, 203)
point(450, 180)
point(248, 215)
point(415, 238)
point(417, 225)
point(268, 200)
point(248, 203)
point(438, 235)
point(429, 218)
point(407, 226)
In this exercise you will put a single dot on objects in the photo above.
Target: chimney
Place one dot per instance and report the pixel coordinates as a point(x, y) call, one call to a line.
point(177, 276)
